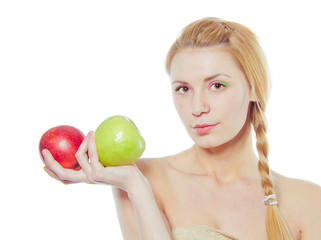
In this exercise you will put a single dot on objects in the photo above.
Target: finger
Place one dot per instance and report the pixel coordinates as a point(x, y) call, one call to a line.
point(83, 159)
point(53, 175)
point(81, 154)
point(60, 173)
point(98, 169)
point(92, 151)
point(49, 160)
point(92, 148)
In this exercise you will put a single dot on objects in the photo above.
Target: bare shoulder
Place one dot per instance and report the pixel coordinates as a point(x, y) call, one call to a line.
point(156, 171)
point(300, 200)
point(153, 167)
point(300, 191)
point(159, 167)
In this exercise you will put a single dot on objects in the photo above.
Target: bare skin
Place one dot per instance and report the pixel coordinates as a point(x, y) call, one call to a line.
point(190, 198)
point(214, 183)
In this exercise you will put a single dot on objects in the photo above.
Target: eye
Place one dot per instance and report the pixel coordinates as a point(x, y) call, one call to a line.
point(217, 85)
point(182, 89)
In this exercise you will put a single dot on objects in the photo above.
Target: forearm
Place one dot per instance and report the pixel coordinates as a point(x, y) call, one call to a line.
point(149, 220)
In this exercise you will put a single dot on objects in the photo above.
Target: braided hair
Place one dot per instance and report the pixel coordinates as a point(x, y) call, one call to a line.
point(243, 45)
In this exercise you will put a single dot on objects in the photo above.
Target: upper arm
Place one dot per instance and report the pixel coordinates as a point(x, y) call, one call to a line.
point(126, 215)
point(125, 208)
point(311, 211)
point(300, 205)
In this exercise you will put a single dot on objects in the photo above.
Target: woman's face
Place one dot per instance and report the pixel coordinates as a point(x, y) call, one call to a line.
point(211, 94)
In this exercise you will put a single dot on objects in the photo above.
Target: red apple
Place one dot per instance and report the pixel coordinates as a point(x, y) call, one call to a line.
point(63, 143)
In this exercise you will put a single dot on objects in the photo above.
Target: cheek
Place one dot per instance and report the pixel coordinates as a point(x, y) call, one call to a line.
point(235, 108)
point(180, 106)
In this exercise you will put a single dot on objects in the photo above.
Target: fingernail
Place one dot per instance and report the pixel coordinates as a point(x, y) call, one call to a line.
point(44, 152)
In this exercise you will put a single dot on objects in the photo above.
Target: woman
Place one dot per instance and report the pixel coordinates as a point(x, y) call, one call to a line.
point(219, 188)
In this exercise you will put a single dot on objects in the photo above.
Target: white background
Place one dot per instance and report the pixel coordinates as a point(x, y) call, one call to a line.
point(79, 62)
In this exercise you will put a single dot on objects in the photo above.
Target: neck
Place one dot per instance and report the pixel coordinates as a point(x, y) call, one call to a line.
point(231, 161)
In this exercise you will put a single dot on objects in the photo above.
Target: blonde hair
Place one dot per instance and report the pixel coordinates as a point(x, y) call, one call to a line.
point(243, 45)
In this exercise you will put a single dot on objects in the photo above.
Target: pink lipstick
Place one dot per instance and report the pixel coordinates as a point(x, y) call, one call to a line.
point(203, 129)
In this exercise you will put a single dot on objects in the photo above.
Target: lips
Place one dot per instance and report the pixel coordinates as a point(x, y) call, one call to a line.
point(203, 129)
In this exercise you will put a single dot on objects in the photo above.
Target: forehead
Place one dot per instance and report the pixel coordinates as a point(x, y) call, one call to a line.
point(195, 63)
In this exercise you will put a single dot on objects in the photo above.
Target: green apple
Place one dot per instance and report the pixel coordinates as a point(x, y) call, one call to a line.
point(118, 141)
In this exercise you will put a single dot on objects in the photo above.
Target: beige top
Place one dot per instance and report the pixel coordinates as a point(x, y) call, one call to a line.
point(200, 233)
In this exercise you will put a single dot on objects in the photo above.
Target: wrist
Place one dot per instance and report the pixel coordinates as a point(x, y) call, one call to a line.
point(139, 187)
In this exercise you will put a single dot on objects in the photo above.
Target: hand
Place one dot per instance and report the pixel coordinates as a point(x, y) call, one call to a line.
point(92, 171)
point(56, 171)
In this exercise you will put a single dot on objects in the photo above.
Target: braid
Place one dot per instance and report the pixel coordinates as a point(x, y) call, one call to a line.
point(275, 224)
point(242, 43)
point(262, 145)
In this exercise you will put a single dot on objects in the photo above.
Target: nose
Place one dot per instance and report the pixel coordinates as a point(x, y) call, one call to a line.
point(199, 105)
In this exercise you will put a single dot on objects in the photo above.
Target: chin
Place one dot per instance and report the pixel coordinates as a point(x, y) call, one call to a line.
point(208, 145)
point(208, 141)
point(213, 140)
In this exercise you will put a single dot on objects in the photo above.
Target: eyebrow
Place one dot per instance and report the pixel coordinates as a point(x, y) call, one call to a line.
point(215, 76)
point(205, 79)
